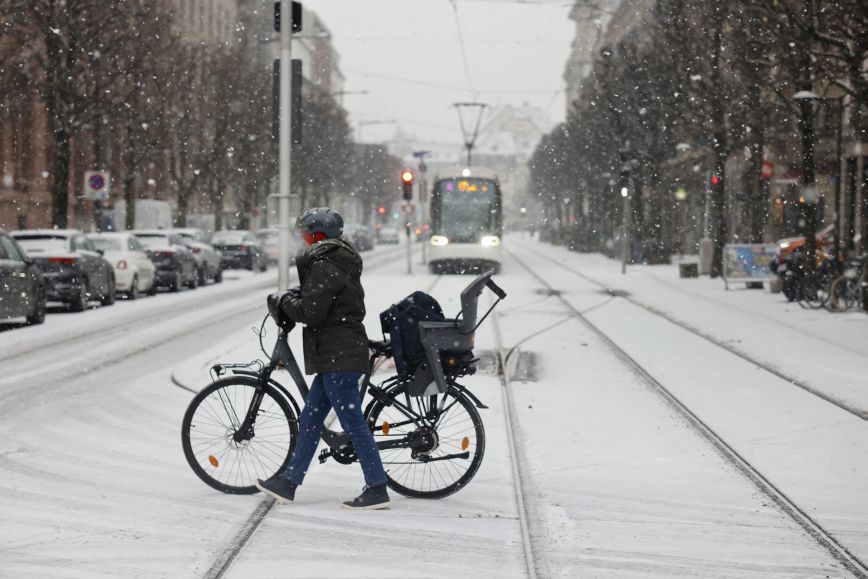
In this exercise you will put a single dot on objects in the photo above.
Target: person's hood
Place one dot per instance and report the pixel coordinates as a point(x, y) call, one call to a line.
point(339, 252)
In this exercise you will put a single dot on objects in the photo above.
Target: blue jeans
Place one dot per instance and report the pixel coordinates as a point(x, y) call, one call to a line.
point(338, 390)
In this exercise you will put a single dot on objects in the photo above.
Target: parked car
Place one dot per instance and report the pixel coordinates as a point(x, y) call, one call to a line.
point(135, 273)
point(389, 235)
point(22, 288)
point(240, 249)
point(74, 270)
point(270, 239)
point(176, 266)
point(361, 236)
point(207, 258)
point(790, 245)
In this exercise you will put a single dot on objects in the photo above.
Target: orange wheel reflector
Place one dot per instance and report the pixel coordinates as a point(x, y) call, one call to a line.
point(465, 442)
point(213, 460)
point(386, 428)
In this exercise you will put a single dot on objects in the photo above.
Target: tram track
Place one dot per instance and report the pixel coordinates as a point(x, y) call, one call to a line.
point(764, 485)
point(516, 453)
point(842, 404)
point(224, 560)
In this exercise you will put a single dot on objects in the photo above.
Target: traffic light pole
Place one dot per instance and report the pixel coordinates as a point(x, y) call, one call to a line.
point(409, 245)
point(423, 198)
point(285, 155)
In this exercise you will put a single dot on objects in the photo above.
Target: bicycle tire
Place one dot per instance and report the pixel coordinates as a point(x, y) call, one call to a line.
point(819, 301)
point(215, 457)
point(851, 295)
point(414, 477)
point(835, 303)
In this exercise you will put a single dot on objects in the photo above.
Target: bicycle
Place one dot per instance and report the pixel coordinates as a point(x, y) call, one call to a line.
point(823, 276)
point(846, 289)
point(243, 426)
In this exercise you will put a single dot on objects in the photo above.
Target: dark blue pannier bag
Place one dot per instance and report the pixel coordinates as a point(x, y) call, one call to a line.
point(401, 322)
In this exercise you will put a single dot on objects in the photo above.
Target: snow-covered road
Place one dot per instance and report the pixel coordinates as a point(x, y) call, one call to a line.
point(617, 483)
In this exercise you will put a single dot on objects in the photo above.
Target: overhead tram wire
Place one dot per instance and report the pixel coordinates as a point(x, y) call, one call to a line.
point(463, 49)
point(449, 86)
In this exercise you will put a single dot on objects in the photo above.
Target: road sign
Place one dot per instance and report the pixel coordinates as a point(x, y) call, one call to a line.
point(96, 185)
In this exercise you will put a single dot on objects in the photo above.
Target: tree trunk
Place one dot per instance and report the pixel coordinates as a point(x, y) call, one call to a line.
point(718, 120)
point(217, 203)
point(183, 207)
point(60, 174)
point(757, 189)
point(129, 179)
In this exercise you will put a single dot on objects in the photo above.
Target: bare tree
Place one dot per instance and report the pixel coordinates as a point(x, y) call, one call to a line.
point(53, 51)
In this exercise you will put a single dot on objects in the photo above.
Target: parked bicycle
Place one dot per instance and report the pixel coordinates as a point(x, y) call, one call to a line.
point(243, 426)
point(846, 290)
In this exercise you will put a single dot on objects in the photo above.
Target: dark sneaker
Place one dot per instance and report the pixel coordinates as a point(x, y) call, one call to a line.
point(372, 498)
point(279, 488)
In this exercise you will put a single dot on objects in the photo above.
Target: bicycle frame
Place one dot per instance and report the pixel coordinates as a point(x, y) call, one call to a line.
point(282, 356)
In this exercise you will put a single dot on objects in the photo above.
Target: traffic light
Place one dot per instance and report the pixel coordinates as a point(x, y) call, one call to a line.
point(715, 180)
point(296, 16)
point(407, 183)
point(381, 210)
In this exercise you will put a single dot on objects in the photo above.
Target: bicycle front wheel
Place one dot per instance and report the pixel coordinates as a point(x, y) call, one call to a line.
point(211, 422)
point(448, 442)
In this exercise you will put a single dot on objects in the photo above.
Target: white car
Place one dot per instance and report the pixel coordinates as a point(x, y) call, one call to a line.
point(271, 242)
point(389, 235)
point(134, 271)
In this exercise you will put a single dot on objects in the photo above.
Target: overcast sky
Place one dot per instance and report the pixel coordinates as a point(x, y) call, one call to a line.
point(408, 55)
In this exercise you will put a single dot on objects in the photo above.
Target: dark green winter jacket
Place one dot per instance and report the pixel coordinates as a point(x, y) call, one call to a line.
point(331, 307)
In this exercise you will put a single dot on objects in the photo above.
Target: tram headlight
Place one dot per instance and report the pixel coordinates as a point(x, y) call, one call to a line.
point(439, 240)
point(490, 241)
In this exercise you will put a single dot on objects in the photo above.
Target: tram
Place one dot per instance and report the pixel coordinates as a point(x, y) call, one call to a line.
point(466, 222)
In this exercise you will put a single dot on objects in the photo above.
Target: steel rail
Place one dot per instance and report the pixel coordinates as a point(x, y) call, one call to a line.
point(843, 405)
point(516, 453)
point(822, 537)
point(229, 555)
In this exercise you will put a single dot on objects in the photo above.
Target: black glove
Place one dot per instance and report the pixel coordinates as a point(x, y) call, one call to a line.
point(273, 301)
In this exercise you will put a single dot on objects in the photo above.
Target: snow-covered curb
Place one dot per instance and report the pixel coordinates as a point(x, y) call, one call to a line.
point(194, 373)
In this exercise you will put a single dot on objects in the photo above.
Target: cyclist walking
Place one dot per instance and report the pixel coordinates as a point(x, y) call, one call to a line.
point(330, 304)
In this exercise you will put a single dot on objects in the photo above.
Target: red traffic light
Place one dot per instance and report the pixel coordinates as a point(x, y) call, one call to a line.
point(381, 210)
point(407, 176)
point(715, 180)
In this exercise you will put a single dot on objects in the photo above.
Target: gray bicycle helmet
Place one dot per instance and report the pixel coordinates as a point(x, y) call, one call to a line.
point(321, 220)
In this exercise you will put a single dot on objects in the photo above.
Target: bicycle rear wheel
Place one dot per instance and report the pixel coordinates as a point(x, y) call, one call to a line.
point(449, 444)
point(213, 418)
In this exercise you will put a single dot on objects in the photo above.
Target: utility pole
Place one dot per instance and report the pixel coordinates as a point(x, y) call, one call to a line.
point(285, 154)
point(423, 200)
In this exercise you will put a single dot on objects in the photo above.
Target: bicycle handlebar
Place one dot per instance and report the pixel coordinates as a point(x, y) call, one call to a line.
point(498, 291)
